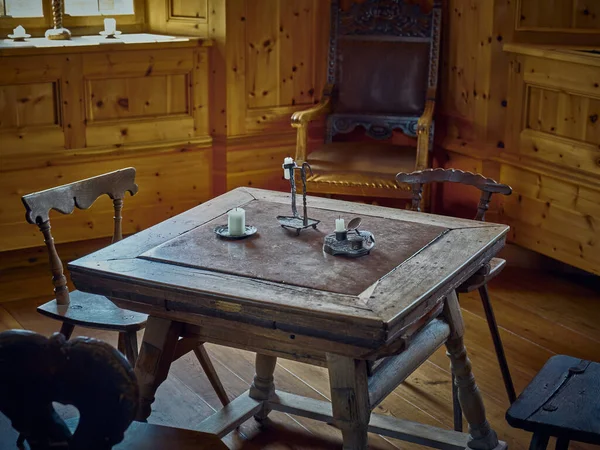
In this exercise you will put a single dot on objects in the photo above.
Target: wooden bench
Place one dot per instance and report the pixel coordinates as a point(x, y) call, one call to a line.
point(563, 401)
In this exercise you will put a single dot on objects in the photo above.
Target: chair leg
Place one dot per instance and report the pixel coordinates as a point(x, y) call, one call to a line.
point(66, 329)
point(458, 420)
point(456, 408)
point(539, 441)
point(491, 320)
point(128, 346)
point(211, 373)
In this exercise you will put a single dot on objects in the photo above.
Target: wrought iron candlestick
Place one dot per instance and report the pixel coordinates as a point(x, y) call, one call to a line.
point(296, 222)
point(58, 33)
point(351, 242)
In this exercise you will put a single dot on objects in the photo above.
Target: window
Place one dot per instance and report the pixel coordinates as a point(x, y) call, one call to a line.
point(34, 8)
point(21, 8)
point(98, 7)
point(80, 16)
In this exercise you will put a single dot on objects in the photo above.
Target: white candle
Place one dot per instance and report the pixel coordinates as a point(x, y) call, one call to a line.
point(286, 172)
point(340, 225)
point(110, 26)
point(19, 31)
point(236, 222)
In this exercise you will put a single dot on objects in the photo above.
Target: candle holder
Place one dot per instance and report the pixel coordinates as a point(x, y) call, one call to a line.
point(223, 231)
point(58, 33)
point(19, 34)
point(351, 242)
point(295, 222)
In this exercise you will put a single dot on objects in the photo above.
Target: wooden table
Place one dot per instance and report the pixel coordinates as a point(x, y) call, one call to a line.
point(371, 321)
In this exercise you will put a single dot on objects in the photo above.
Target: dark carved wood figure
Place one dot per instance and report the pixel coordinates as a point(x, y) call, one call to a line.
point(84, 372)
point(90, 375)
point(382, 76)
point(479, 280)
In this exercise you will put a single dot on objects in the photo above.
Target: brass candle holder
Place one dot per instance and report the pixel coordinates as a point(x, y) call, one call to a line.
point(58, 33)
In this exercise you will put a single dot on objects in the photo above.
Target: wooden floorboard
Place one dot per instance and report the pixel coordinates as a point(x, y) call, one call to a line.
point(539, 315)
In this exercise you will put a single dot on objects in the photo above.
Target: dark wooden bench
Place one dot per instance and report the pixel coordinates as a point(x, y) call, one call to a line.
point(562, 401)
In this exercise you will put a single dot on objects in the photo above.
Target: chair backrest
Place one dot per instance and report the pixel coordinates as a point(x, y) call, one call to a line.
point(86, 373)
point(64, 199)
point(487, 186)
point(383, 63)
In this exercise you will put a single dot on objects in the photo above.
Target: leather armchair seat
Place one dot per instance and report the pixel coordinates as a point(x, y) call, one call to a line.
point(359, 165)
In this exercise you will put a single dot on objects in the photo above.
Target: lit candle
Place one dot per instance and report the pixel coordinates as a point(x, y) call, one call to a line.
point(110, 26)
point(286, 172)
point(19, 31)
point(236, 222)
point(340, 225)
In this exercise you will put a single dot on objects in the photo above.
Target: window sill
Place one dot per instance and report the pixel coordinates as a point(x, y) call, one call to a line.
point(90, 44)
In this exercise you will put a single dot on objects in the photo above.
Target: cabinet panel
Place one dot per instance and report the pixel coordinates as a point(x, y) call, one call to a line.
point(563, 114)
point(30, 104)
point(558, 15)
point(137, 97)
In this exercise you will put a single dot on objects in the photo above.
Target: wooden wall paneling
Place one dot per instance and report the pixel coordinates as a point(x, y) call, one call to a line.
point(502, 31)
point(235, 67)
point(554, 14)
point(268, 62)
point(263, 53)
point(199, 85)
point(587, 14)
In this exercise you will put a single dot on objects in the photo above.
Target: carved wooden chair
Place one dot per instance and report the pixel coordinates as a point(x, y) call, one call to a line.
point(382, 76)
point(90, 375)
point(90, 310)
point(479, 280)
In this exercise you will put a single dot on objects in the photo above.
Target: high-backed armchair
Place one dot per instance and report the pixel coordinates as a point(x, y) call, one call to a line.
point(382, 76)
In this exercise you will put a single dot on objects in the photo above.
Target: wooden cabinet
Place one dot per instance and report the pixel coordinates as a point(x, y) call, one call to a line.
point(71, 113)
point(553, 157)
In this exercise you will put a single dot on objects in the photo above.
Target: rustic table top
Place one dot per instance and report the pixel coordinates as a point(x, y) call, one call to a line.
point(275, 279)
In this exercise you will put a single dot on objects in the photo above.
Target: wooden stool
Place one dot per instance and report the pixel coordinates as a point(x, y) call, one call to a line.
point(479, 280)
point(90, 310)
point(88, 374)
point(563, 400)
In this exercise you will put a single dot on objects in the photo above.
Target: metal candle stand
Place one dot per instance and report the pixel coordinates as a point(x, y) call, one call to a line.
point(350, 242)
point(295, 222)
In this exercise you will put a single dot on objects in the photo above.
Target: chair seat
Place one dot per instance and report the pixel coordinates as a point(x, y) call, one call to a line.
point(563, 400)
point(94, 311)
point(483, 276)
point(361, 164)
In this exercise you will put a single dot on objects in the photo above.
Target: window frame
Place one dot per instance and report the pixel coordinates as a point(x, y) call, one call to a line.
point(78, 25)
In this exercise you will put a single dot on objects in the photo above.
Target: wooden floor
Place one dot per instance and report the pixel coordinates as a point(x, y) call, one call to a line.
point(539, 314)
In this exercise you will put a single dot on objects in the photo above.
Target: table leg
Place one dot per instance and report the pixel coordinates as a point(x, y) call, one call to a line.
point(482, 437)
point(350, 399)
point(154, 361)
point(263, 387)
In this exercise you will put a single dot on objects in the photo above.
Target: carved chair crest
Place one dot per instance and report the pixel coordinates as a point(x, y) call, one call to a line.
point(383, 64)
point(487, 186)
point(64, 199)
